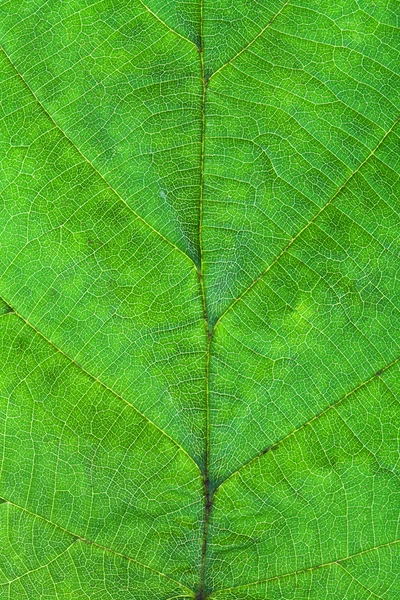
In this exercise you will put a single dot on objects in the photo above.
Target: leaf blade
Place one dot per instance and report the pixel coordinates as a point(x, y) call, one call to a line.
point(200, 299)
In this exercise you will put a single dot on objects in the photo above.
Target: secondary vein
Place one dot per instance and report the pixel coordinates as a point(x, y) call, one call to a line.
point(335, 562)
point(96, 379)
point(260, 33)
point(174, 31)
point(113, 190)
point(95, 544)
point(305, 228)
point(361, 385)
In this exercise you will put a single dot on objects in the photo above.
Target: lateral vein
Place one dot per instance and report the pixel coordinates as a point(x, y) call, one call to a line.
point(95, 544)
point(251, 42)
point(166, 25)
point(113, 190)
point(98, 381)
point(314, 418)
point(300, 233)
point(336, 562)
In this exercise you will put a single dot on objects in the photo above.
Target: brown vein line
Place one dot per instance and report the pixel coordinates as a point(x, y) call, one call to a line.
point(299, 233)
point(206, 478)
point(314, 418)
point(312, 568)
point(252, 41)
point(97, 380)
point(166, 25)
point(113, 190)
point(96, 545)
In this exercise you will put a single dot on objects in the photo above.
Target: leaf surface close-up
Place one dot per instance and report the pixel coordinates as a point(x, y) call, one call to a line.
point(200, 300)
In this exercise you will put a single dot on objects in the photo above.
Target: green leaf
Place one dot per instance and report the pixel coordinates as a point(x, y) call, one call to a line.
point(200, 314)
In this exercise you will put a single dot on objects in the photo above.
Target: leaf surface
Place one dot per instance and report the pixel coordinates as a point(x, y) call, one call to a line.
point(199, 263)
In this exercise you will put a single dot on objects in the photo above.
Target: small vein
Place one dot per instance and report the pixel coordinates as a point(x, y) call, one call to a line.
point(166, 25)
point(335, 562)
point(40, 567)
point(91, 164)
point(359, 582)
point(312, 420)
point(251, 42)
point(300, 233)
point(95, 544)
point(104, 385)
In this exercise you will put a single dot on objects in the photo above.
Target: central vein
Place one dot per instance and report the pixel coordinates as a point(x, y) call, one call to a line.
point(208, 332)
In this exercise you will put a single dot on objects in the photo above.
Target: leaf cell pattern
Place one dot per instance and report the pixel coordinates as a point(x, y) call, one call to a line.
point(199, 272)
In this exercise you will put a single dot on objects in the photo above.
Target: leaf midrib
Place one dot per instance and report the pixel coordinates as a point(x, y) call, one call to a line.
point(208, 330)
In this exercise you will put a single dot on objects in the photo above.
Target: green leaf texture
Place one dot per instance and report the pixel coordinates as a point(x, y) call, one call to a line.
point(200, 327)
